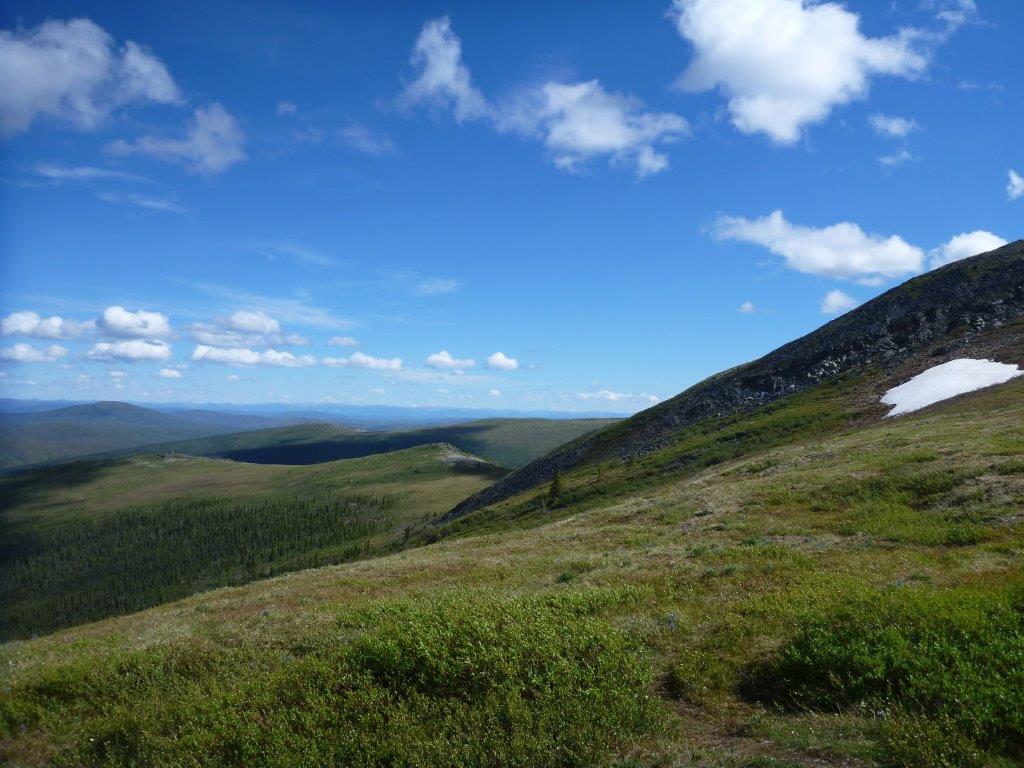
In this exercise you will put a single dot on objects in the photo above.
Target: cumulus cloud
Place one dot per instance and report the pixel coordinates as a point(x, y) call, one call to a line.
point(785, 64)
point(123, 324)
point(70, 71)
point(841, 251)
point(576, 122)
point(360, 360)
point(747, 308)
point(580, 121)
point(360, 138)
point(836, 303)
point(24, 353)
point(444, 359)
point(502, 362)
point(243, 356)
point(169, 373)
point(32, 324)
point(244, 329)
point(212, 143)
point(964, 245)
point(342, 341)
point(1015, 186)
point(892, 126)
point(251, 322)
point(494, 392)
point(133, 350)
point(435, 286)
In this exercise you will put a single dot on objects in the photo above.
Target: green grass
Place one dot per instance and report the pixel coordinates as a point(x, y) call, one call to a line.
point(538, 682)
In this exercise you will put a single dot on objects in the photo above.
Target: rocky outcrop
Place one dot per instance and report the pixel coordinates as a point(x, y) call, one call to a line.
point(952, 303)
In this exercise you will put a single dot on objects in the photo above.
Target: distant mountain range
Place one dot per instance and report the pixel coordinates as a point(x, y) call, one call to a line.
point(112, 429)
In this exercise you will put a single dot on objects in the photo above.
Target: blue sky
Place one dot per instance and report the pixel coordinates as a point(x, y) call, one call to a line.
point(619, 198)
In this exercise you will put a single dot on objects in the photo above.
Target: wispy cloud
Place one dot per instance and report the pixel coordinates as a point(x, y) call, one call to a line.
point(297, 251)
point(147, 202)
point(360, 138)
point(434, 286)
point(292, 310)
point(62, 173)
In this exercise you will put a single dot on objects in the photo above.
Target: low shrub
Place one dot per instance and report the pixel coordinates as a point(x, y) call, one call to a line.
point(947, 666)
point(461, 682)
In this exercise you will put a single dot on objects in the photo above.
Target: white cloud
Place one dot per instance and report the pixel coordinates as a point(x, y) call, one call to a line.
point(444, 359)
point(784, 64)
point(136, 349)
point(580, 121)
point(242, 356)
point(502, 362)
point(118, 321)
point(342, 341)
point(213, 143)
point(836, 303)
point(31, 324)
point(1015, 187)
point(842, 250)
point(575, 121)
point(362, 139)
point(609, 396)
point(169, 373)
point(494, 392)
point(286, 108)
point(964, 245)
point(747, 308)
point(70, 71)
point(360, 360)
point(434, 286)
point(251, 322)
point(24, 353)
point(892, 126)
point(444, 81)
point(61, 173)
point(897, 158)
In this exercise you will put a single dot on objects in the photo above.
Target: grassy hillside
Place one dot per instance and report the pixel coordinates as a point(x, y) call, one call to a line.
point(818, 586)
point(92, 539)
point(507, 443)
point(63, 433)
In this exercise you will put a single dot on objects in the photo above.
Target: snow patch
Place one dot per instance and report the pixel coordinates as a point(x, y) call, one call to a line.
point(945, 381)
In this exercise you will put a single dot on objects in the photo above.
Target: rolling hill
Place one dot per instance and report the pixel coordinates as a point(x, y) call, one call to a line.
point(508, 443)
point(41, 436)
point(90, 539)
point(764, 572)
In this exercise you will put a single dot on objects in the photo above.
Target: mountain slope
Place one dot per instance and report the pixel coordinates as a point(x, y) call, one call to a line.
point(505, 442)
point(728, 580)
point(62, 433)
point(942, 311)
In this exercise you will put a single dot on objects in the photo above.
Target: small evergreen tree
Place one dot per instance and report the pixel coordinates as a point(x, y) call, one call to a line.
point(556, 487)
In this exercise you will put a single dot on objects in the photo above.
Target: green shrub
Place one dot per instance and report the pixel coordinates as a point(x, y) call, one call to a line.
point(460, 682)
point(954, 661)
